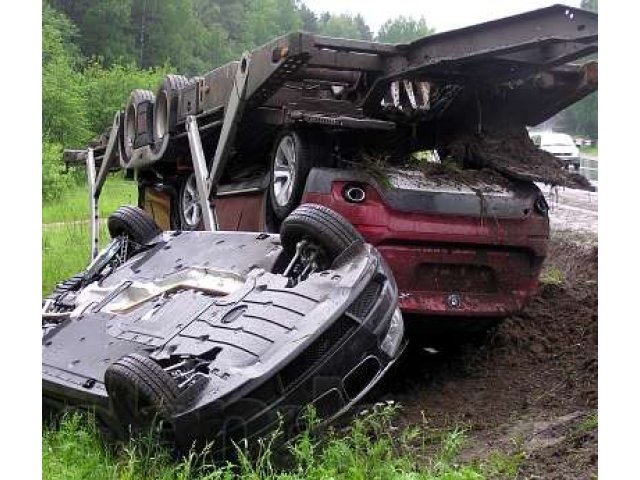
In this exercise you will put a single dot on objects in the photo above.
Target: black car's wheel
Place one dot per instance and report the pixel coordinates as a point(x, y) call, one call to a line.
point(189, 210)
point(321, 226)
point(134, 223)
point(141, 392)
point(293, 155)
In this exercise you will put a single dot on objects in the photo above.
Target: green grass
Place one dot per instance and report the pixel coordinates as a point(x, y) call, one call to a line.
point(552, 276)
point(502, 465)
point(65, 228)
point(589, 424)
point(371, 447)
point(65, 251)
point(74, 204)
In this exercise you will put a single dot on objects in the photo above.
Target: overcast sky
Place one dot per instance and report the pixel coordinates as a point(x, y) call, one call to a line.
point(444, 15)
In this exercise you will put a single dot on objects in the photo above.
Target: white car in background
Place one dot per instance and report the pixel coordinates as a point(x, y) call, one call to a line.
point(559, 144)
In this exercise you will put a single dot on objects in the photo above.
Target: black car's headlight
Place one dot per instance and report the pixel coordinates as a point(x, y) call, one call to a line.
point(392, 340)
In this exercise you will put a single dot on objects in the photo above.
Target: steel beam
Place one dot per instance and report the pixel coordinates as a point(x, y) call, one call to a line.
point(93, 202)
point(200, 171)
point(358, 46)
point(109, 156)
point(232, 115)
point(553, 53)
point(340, 60)
point(556, 22)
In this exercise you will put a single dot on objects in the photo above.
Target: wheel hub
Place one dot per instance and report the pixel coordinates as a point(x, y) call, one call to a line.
point(284, 171)
point(191, 211)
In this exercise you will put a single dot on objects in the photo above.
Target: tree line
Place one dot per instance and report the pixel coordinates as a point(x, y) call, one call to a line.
point(79, 95)
point(196, 35)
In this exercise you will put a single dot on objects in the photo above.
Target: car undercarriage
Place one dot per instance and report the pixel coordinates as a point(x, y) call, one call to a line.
point(219, 346)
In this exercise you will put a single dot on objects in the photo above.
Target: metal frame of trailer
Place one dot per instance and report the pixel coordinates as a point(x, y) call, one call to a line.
point(388, 88)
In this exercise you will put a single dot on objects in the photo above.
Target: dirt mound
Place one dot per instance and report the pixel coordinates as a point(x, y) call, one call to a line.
point(511, 152)
point(530, 383)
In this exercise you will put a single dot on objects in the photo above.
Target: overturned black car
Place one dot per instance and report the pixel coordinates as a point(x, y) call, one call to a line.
point(221, 335)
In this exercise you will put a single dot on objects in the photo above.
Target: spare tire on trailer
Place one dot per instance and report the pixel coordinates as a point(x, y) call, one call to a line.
point(320, 225)
point(130, 156)
point(294, 153)
point(141, 392)
point(134, 223)
point(165, 114)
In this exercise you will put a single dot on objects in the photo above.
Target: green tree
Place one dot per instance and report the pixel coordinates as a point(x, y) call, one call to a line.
point(54, 179)
point(107, 90)
point(344, 26)
point(168, 31)
point(582, 117)
point(363, 29)
point(149, 32)
point(588, 119)
point(403, 30)
point(104, 27)
point(232, 19)
point(309, 19)
point(63, 115)
point(64, 118)
point(266, 19)
point(78, 99)
point(216, 18)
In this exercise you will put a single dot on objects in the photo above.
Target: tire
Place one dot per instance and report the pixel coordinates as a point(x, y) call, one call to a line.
point(165, 114)
point(165, 109)
point(321, 225)
point(189, 211)
point(293, 155)
point(141, 392)
point(129, 130)
point(134, 223)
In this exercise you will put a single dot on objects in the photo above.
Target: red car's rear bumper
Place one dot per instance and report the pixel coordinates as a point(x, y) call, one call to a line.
point(448, 264)
point(460, 282)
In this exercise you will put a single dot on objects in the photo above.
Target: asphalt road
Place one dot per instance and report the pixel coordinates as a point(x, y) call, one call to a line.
point(570, 209)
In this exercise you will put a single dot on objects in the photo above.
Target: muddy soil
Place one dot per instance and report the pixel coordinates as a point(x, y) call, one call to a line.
point(484, 179)
point(528, 386)
point(499, 157)
point(511, 152)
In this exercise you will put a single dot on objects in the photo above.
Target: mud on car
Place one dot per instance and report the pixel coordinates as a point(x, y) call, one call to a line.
point(221, 335)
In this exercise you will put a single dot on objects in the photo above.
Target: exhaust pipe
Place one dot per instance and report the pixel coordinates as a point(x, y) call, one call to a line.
point(354, 194)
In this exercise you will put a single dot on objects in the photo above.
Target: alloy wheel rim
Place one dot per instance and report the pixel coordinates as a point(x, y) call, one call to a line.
point(191, 203)
point(284, 171)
